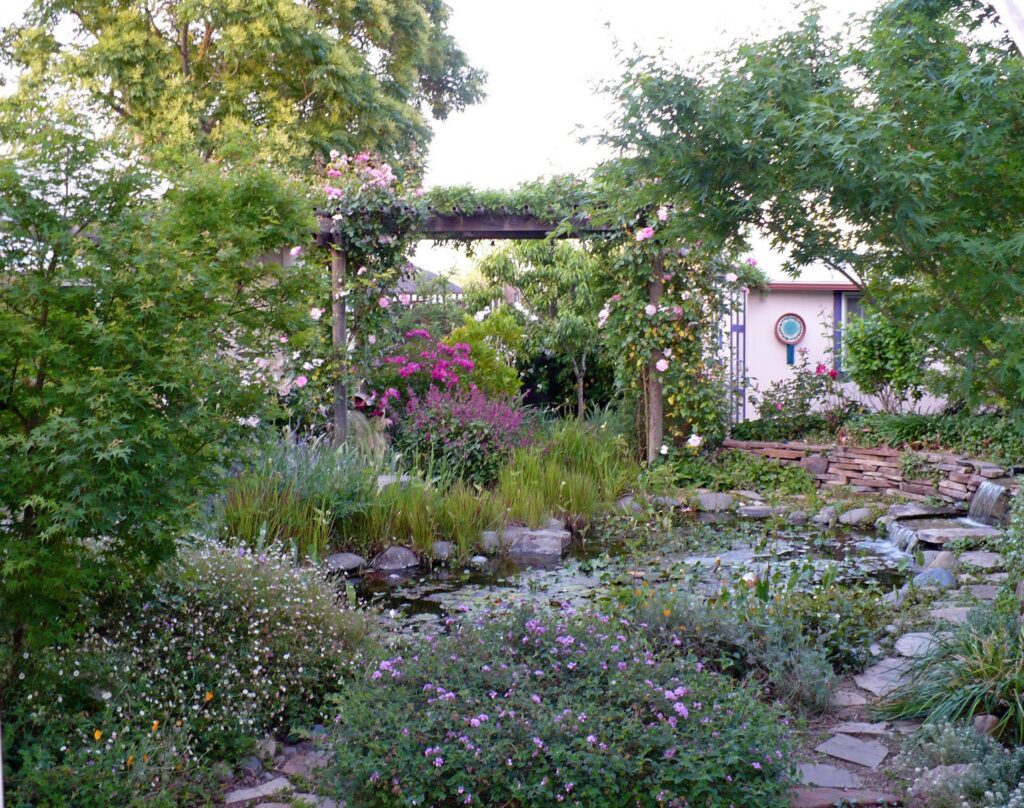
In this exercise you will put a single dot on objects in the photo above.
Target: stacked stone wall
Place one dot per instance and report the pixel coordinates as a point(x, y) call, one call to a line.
point(914, 475)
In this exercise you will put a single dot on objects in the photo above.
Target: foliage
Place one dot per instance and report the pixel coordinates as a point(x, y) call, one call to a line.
point(808, 401)
point(976, 669)
point(298, 493)
point(744, 642)
point(224, 646)
point(555, 286)
point(284, 81)
point(885, 360)
point(729, 470)
point(869, 152)
point(993, 769)
point(995, 436)
point(545, 707)
point(496, 342)
point(460, 434)
point(556, 199)
point(128, 355)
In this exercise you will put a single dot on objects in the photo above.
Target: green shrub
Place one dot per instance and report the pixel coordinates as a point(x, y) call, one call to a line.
point(732, 469)
point(976, 669)
point(991, 436)
point(885, 360)
point(534, 708)
point(224, 647)
point(994, 770)
point(495, 342)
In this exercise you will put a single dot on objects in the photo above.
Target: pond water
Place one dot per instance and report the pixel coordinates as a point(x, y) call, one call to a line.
point(690, 554)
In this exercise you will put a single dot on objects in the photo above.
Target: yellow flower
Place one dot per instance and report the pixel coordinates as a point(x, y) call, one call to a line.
point(156, 726)
point(98, 734)
point(209, 696)
point(128, 763)
point(667, 612)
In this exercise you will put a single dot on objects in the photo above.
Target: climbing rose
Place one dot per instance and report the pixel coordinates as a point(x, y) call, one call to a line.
point(731, 277)
point(295, 251)
point(301, 381)
point(664, 449)
point(663, 213)
point(650, 309)
point(644, 233)
point(383, 302)
point(661, 365)
point(404, 299)
point(694, 441)
point(316, 313)
point(372, 339)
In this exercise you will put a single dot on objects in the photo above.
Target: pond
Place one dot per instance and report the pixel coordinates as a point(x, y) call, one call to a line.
point(699, 555)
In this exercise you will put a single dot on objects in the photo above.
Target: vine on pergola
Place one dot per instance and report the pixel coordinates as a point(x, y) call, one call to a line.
point(666, 298)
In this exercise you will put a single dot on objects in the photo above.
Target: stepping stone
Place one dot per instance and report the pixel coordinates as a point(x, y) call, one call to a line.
point(984, 591)
point(856, 516)
point(712, 502)
point(267, 789)
point(951, 614)
point(907, 727)
point(822, 774)
point(854, 750)
point(997, 577)
point(941, 535)
point(847, 698)
point(859, 728)
point(830, 797)
point(884, 676)
point(982, 558)
point(915, 644)
point(754, 511)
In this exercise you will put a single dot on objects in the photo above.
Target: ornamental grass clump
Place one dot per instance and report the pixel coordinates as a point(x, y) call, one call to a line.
point(223, 647)
point(534, 707)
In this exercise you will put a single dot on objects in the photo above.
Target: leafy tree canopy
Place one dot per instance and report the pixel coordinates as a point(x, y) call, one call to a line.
point(892, 153)
point(207, 76)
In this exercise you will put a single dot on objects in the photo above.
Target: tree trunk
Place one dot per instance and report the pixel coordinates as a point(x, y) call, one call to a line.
point(579, 370)
point(655, 396)
point(339, 338)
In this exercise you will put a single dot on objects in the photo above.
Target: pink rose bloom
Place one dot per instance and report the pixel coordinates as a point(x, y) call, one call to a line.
point(333, 193)
point(615, 298)
point(404, 299)
point(316, 313)
point(301, 381)
point(283, 339)
point(751, 262)
point(361, 271)
point(731, 277)
point(650, 309)
point(661, 365)
point(383, 302)
point(644, 233)
point(333, 173)
point(294, 252)
point(372, 339)
point(663, 213)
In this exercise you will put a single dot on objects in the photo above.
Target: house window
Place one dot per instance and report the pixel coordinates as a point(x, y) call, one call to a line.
point(847, 305)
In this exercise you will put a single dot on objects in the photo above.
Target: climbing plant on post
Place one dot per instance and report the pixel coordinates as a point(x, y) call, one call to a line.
point(370, 217)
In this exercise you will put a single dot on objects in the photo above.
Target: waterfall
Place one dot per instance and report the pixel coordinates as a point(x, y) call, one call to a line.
point(903, 536)
point(988, 505)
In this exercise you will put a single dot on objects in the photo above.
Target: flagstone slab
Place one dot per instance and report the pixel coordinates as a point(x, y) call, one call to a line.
point(984, 591)
point(822, 774)
point(884, 676)
point(847, 698)
point(985, 559)
point(861, 728)
point(267, 789)
point(951, 614)
point(845, 747)
point(916, 644)
point(830, 797)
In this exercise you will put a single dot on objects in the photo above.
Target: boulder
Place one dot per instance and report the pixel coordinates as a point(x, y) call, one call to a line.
point(395, 557)
point(797, 518)
point(754, 511)
point(478, 561)
point(826, 516)
point(344, 562)
point(712, 502)
point(815, 464)
point(547, 541)
point(943, 560)
point(986, 724)
point(935, 577)
point(937, 785)
point(489, 541)
point(441, 550)
point(856, 517)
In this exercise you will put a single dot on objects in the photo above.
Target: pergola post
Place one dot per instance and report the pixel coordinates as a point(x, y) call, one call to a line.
point(655, 394)
point(339, 339)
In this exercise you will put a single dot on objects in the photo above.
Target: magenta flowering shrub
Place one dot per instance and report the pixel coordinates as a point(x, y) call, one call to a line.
point(460, 433)
point(416, 366)
point(544, 708)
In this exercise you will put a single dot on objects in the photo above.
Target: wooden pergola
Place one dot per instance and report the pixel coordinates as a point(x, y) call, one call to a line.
point(479, 225)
